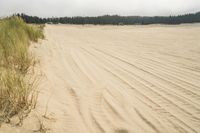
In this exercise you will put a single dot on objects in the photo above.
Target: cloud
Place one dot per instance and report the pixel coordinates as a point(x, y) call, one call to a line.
point(48, 8)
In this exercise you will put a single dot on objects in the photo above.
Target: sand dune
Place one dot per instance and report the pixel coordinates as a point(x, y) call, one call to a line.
point(126, 79)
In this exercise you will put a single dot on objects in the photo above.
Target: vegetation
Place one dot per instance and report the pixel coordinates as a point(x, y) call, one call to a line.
point(16, 82)
point(115, 20)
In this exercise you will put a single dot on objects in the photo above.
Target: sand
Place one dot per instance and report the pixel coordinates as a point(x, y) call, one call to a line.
point(127, 79)
point(120, 79)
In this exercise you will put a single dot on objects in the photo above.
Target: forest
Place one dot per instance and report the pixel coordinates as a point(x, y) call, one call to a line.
point(115, 19)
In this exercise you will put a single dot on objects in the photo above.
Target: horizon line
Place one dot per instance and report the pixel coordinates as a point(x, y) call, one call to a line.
point(105, 15)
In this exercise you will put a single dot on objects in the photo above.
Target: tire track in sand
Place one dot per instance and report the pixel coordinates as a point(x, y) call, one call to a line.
point(108, 79)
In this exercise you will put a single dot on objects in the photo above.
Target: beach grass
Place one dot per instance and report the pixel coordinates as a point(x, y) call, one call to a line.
point(16, 82)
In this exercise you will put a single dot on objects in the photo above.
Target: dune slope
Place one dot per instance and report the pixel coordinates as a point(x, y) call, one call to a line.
point(126, 79)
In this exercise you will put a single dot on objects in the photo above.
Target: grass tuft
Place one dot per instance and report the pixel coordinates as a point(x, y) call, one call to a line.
point(16, 91)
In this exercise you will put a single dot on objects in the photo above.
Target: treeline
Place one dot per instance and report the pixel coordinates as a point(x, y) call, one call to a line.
point(115, 19)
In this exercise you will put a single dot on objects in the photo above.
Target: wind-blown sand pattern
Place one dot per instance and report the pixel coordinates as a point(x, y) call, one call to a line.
point(121, 79)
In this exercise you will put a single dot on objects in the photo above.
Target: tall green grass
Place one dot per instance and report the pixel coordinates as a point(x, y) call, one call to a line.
point(16, 90)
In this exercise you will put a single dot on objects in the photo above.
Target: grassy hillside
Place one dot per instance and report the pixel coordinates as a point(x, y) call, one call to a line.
point(16, 90)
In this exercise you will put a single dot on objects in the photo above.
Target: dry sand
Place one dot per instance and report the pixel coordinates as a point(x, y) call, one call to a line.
point(120, 79)
point(127, 79)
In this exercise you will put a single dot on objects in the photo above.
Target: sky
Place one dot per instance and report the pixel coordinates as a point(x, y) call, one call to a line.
point(59, 8)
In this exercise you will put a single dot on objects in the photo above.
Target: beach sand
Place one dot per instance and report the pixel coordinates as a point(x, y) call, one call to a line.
point(120, 79)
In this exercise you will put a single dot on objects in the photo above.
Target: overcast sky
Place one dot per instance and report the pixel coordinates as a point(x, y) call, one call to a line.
point(49, 8)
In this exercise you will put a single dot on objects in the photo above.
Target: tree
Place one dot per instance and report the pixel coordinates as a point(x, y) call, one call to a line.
point(114, 19)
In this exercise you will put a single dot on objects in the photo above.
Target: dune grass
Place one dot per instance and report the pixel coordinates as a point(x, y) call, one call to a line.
point(16, 88)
